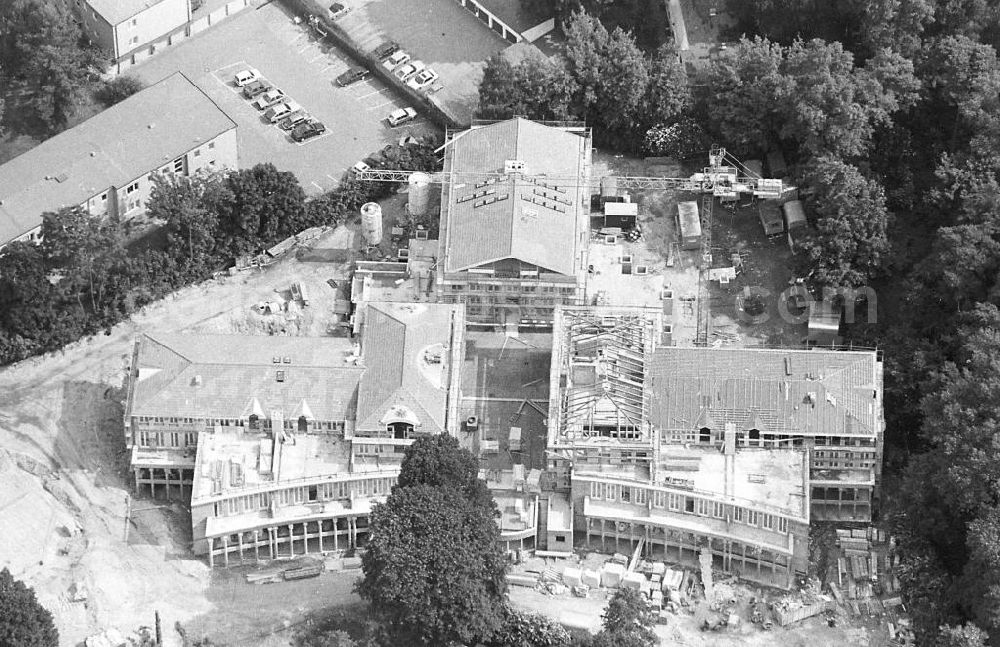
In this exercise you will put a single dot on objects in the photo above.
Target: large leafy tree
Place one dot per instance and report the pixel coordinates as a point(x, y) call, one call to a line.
point(668, 95)
point(184, 204)
point(43, 53)
point(628, 622)
point(263, 206)
point(850, 240)
point(521, 629)
point(440, 461)
point(23, 621)
point(433, 570)
point(537, 87)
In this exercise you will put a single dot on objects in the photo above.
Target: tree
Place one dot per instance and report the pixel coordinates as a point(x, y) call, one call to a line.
point(521, 629)
point(23, 621)
point(118, 89)
point(41, 52)
point(433, 569)
point(743, 95)
point(668, 95)
point(263, 205)
point(683, 140)
point(537, 87)
point(440, 461)
point(850, 240)
point(182, 203)
point(968, 635)
point(628, 622)
point(610, 71)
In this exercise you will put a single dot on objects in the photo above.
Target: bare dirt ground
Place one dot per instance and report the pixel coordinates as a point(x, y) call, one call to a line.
point(63, 480)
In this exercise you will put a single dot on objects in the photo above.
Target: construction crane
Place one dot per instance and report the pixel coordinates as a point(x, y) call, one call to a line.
point(725, 177)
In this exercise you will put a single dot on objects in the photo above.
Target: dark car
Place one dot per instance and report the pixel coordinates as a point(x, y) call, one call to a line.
point(257, 87)
point(353, 75)
point(308, 130)
point(385, 50)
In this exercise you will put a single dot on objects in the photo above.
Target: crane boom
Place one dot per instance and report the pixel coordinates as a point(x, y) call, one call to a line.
point(711, 181)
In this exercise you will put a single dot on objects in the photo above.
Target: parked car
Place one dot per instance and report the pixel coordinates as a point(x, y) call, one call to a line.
point(422, 79)
point(307, 130)
point(292, 120)
point(360, 167)
point(395, 60)
point(410, 69)
point(401, 116)
point(385, 50)
point(337, 10)
point(353, 75)
point(276, 112)
point(268, 99)
point(255, 88)
point(244, 77)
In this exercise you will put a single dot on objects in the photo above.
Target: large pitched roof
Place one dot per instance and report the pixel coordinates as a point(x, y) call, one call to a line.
point(116, 11)
point(776, 391)
point(232, 376)
point(407, 352)
point(525, 217)
point(138, 135)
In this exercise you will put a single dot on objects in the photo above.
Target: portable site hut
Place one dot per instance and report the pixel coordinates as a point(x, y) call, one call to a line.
point(689, 225)
point(621, 214)
point(609, 189)
point(795, 215)
point(770, 218)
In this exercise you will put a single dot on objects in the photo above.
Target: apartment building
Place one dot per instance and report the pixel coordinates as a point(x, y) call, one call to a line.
point(514, 221)
point(105, 164)
point(121, 26)
point(283, 444)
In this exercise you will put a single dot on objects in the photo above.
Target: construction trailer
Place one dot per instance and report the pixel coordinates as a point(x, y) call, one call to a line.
point(769, 214)
point(689, 225)
point(824, 322)
point(776, 163)
point(795, 215)
point(621, 214)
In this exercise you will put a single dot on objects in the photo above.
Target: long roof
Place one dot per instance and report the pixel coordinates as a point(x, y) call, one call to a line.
point(233, 376)
point(117, 11)
point(140, 134)
point(776, 391)
point(521, 216)
point(408, 355)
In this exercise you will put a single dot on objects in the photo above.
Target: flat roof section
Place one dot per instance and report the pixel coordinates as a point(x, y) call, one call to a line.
point(773, 477)
point(118, 11)
point(142, 133)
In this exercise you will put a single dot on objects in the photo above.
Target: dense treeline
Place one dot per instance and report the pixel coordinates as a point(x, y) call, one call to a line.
point(889, 111)
point(84, 277)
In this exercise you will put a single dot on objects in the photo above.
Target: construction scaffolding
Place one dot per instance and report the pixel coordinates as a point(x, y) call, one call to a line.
point(704, 310)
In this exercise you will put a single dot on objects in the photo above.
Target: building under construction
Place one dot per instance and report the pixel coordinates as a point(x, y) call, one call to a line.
point(514, 246)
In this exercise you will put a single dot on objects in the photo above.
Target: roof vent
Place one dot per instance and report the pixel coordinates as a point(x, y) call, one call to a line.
point(288, 360)
point(93, 153)
point(196, 381)
point(150, 126)
point(280, 376)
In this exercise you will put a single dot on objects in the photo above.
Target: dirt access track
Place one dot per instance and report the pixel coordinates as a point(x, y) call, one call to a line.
point(63, 479)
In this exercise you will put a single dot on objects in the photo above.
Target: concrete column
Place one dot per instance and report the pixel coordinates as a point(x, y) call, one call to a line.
point(225, 549)
point(240, 536)
point(319, 529)
point(256, 545)
point(305, 536)
point(273, 540)
point(211, 552)
point(336, 542)
point(291, 540)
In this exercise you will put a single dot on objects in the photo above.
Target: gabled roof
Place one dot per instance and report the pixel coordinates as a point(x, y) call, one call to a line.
point(776, 391)
point(117, 11)
point(524, 217)
point(407, 351)
point(232, 377)
point(140, 134)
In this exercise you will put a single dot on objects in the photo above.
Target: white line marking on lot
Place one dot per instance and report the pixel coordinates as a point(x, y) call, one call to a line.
point(236, 64)
point(380, 105)
point(314, 139)
point(331, 177)
point(365, 96)
point(314, 184)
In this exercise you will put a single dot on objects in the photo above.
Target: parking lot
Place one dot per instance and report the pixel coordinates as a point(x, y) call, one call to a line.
point(295, 61)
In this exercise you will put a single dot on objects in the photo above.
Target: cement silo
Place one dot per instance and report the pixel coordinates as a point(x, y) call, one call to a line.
point(419, 193)
point(371, 223)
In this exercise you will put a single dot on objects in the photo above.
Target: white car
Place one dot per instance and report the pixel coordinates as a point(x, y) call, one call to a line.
point(360, 167)
point(268, 99)
point(338, 10)
point(276, 112)
point(401, 116)
point(410, 69)
point(423, 79)
point(397, 59)
point(246, 77)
